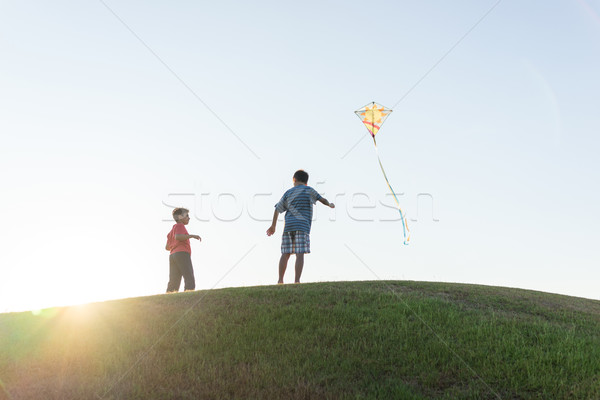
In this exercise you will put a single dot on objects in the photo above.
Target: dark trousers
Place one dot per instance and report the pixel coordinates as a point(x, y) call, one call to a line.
point(180, 265)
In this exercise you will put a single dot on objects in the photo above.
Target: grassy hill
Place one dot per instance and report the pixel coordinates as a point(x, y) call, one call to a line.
point(346, 340)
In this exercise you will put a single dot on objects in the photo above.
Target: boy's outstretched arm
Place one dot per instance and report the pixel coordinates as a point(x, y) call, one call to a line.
point(323, 200)
point(271, 229)
point(182, 237)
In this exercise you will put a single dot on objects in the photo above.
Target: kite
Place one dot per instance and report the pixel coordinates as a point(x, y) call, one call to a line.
point(373, 115)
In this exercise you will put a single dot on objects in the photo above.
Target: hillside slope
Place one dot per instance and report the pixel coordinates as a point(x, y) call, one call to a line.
point(343, 340)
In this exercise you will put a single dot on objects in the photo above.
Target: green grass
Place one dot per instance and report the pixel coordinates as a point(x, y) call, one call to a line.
point(346, 340)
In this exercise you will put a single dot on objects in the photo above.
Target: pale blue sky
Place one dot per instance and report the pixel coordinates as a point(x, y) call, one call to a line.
point(97, 135)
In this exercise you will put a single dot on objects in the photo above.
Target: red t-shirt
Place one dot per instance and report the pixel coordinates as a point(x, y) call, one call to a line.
point(178, 245)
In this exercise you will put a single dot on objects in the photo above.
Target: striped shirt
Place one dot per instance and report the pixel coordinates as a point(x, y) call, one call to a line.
point(297, 204)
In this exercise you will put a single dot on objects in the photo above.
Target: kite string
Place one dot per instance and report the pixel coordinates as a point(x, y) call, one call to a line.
point(402, 217)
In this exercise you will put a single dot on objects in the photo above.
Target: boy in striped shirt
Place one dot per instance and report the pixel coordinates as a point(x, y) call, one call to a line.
point(297, 204)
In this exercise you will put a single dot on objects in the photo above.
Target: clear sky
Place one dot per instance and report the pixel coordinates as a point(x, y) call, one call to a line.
point(111, 113)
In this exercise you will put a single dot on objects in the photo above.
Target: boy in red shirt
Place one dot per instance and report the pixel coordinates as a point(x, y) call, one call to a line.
point(180, 260)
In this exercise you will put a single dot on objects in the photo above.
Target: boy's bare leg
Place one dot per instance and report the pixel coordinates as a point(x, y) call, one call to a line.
point(299, 266)
point(283, 265)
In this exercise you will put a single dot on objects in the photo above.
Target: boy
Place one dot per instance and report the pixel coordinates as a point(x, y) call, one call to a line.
point(180, 260)
point(297, 202)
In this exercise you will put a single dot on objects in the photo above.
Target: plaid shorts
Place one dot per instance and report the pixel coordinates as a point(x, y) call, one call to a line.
point(295, 242)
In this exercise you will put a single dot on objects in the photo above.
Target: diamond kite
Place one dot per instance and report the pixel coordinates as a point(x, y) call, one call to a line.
point(373, 115)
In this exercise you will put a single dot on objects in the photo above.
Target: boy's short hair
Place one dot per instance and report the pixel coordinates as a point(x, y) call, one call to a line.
point(178, 212)
point(301, 176)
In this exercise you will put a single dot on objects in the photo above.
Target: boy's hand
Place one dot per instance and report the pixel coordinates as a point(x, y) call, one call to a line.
point(331, 205)
point(196, 237)
point(271, 230)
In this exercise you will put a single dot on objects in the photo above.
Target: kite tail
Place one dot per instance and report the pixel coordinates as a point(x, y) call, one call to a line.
point(402, 216)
